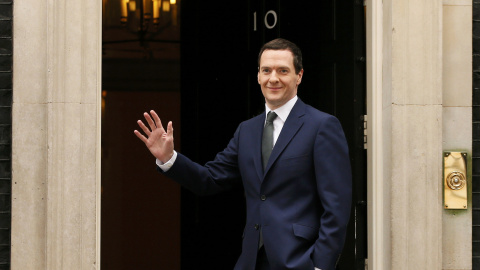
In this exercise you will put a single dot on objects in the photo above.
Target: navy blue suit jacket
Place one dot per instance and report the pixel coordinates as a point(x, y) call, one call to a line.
point(302, 199)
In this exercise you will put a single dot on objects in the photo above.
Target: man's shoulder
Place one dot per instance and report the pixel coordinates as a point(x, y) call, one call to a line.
point(254, 119)
point(316, 113)
point(320, 119)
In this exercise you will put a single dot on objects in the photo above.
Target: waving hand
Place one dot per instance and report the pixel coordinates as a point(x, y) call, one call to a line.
point(157, 140)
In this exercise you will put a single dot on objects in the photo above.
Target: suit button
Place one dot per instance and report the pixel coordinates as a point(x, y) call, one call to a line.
point(257, 226)
point(263, 197)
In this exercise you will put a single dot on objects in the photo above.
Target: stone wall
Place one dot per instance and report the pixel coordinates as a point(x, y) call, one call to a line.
point(425, 109)
point(56, 134)
point(415, 126)
point(457, 123)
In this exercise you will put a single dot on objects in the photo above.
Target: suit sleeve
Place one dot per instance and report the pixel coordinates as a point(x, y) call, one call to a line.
point(334, 187)
point(214, 177)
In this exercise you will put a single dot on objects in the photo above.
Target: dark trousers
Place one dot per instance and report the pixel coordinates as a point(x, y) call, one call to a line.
point(262, 260)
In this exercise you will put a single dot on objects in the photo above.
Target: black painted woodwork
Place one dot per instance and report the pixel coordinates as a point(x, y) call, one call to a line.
point(219, 82)
point(6, 59)
point(476, 137)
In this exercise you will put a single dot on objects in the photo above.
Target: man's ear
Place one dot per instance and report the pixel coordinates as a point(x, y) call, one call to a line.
point(300, 75)
point(258, 76)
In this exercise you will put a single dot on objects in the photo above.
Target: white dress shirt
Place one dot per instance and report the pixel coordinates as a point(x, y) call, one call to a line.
point(282, 114)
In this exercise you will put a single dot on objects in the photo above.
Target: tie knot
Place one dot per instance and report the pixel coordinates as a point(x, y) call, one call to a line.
point(271, 116)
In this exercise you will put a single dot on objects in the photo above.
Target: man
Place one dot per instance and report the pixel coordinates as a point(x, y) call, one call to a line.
point(298, 194)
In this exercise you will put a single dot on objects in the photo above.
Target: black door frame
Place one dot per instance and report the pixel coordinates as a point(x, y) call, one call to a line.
point(196, 211)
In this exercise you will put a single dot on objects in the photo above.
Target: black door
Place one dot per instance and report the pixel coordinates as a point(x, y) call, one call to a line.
point(220, 44)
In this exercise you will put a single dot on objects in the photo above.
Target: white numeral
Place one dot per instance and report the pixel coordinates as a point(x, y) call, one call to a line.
point(269, 26)
point(274, 19)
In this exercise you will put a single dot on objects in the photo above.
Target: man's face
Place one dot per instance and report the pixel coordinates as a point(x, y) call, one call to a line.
point(277, 77)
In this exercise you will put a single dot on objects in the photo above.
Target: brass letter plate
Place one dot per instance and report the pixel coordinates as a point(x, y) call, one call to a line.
point(455, 180)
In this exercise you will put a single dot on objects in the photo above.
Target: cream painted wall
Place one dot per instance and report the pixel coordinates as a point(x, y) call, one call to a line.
point(413, 129)
point(419, 104)
point(457, 123)
point(56, 128)
point(422, 89)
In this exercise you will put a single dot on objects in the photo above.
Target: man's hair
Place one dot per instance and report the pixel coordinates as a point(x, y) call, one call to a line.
point(283, 44)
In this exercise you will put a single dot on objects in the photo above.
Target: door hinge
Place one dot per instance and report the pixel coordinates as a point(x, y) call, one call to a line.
point(366, 263)
point(365, 139)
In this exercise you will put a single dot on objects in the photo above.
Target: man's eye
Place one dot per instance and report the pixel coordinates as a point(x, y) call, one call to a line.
point(265, 70)
point(283, 71)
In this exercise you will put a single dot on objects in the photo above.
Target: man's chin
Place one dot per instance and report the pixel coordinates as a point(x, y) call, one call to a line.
point(274, 98)
point(274, 104)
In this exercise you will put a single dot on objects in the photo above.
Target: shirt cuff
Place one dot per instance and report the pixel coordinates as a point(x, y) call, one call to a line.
point(167, 165)
point(317, 268)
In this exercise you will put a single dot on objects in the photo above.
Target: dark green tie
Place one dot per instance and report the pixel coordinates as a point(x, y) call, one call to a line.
point(267, 140)
point(267, 146)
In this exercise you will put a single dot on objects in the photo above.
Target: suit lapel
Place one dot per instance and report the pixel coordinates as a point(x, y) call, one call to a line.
point(290, 128)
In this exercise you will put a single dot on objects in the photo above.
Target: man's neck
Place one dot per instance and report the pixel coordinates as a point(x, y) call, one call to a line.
point(284, 110)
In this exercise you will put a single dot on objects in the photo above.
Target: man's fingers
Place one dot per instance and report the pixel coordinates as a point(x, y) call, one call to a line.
point(143, 127)
point(150, 122)
point(170, 129)
point(140, 136)
point(157, 120)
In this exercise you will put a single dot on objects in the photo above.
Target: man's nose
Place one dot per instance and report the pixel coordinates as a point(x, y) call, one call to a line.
point(273, 77)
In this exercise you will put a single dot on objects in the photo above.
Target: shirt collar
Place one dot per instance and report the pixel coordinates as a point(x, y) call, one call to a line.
point(283, 111)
